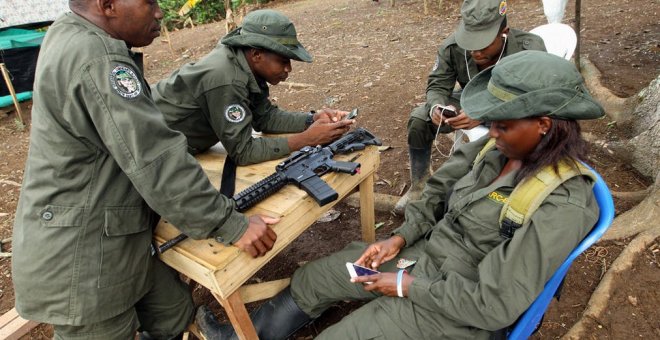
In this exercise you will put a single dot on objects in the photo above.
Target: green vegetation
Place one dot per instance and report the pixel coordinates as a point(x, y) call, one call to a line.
point(205, 11)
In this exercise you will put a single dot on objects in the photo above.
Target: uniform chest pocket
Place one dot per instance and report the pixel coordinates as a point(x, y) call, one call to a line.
point(125, 245)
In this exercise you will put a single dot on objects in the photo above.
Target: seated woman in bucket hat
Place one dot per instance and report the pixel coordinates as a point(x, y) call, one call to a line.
point(224, 96)
point(466, 276)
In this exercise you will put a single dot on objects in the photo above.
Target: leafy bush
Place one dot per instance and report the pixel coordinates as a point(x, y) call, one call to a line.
point(205, 11)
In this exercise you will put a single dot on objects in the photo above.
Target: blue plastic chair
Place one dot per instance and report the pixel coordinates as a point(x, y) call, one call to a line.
point(526, 324)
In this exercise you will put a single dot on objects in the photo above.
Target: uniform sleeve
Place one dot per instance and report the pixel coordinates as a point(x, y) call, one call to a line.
point(422, 215)
point(235, 131)
point(442, 78)
point(154, 157)
point(512, 275)
point(269, 118)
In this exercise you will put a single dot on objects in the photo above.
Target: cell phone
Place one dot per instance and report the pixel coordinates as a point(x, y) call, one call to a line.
point(353, 114)
point(356, 270)
point(447, 112)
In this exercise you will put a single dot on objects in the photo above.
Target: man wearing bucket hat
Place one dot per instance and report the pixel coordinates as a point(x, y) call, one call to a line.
point(454, 269)
point(224, 96)
point(481, 40)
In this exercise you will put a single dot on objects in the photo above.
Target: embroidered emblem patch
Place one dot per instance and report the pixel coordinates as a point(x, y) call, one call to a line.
point(125, 82)
point(437, 63)
point(235, 113)
point(503, 7)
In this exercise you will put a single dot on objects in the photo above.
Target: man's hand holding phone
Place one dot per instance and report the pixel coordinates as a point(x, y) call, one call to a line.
point(440, 113)
point(332, 115)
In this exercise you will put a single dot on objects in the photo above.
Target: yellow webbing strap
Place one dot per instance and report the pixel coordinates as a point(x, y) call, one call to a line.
point(528, 195)
point(490, 145)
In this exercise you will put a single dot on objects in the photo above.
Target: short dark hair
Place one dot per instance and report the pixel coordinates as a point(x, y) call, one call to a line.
point(563, 141)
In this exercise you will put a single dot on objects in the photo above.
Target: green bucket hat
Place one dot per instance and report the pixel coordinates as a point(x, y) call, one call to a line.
point(480, 23)
point(269, 30)
point(529, 84)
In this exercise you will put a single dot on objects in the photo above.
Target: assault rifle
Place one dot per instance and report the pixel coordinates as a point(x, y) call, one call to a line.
point(303, 168)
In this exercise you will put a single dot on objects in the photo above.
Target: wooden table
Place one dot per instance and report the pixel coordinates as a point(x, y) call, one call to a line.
point(224, 270)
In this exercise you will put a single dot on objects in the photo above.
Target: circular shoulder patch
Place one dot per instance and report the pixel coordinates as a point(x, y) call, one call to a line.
point(235, 113)
point(125, 82)
point(503, 8)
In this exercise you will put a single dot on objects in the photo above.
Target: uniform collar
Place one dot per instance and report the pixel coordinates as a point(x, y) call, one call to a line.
point(73, 17)
point(117, 45)
point(77, 19)
point(254, 85)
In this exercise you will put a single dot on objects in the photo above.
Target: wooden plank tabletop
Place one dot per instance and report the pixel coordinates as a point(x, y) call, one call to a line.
point(224, 269)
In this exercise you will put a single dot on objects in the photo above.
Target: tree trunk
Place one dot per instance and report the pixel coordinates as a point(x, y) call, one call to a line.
point(643, 152)
point(643, 130)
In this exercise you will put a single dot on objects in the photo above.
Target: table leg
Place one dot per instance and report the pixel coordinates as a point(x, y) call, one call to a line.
point(367, 217)
point(238, 316)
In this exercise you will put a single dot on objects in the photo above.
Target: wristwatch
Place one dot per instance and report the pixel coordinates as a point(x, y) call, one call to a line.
point(310, 119)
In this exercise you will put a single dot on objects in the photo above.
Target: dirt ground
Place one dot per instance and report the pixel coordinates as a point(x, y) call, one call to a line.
point(377, 58)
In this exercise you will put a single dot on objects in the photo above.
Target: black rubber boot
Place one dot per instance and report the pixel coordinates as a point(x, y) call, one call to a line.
point(276, 319)
point(420, 165)
point(209, 326)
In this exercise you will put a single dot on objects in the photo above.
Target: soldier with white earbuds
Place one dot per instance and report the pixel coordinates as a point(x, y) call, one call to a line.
point(481, 40)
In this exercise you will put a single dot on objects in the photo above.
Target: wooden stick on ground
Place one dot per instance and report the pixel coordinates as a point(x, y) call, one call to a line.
point(169, 40)
point(10, 86)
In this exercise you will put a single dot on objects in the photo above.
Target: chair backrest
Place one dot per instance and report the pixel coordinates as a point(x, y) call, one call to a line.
point(559, 39)
point(527, 323)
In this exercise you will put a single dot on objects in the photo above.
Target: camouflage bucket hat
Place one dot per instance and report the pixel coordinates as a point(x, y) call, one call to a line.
point(269, 30)
point(529, 84)
point(480, 23)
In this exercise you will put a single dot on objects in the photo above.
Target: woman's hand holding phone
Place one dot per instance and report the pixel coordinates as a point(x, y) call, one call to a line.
point(385, 283)
point(381, 251)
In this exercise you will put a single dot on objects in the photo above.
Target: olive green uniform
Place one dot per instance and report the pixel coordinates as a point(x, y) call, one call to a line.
point(198, 100)
point(101, 168)
point(468, 279)
point(451, 67)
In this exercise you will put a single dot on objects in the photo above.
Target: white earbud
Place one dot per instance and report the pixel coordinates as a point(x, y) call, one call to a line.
point(504, 35)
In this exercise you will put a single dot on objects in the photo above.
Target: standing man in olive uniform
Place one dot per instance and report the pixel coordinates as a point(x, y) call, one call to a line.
point(481, 40)
point(456, 272)
point(102, 168)
point(224, 96)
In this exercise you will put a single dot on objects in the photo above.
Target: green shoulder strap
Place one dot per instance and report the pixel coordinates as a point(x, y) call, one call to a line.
point(529, 194)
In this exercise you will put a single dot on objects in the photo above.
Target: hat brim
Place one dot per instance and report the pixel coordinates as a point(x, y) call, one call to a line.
point(472, 40)
point(295, 52)
point(480, 104)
